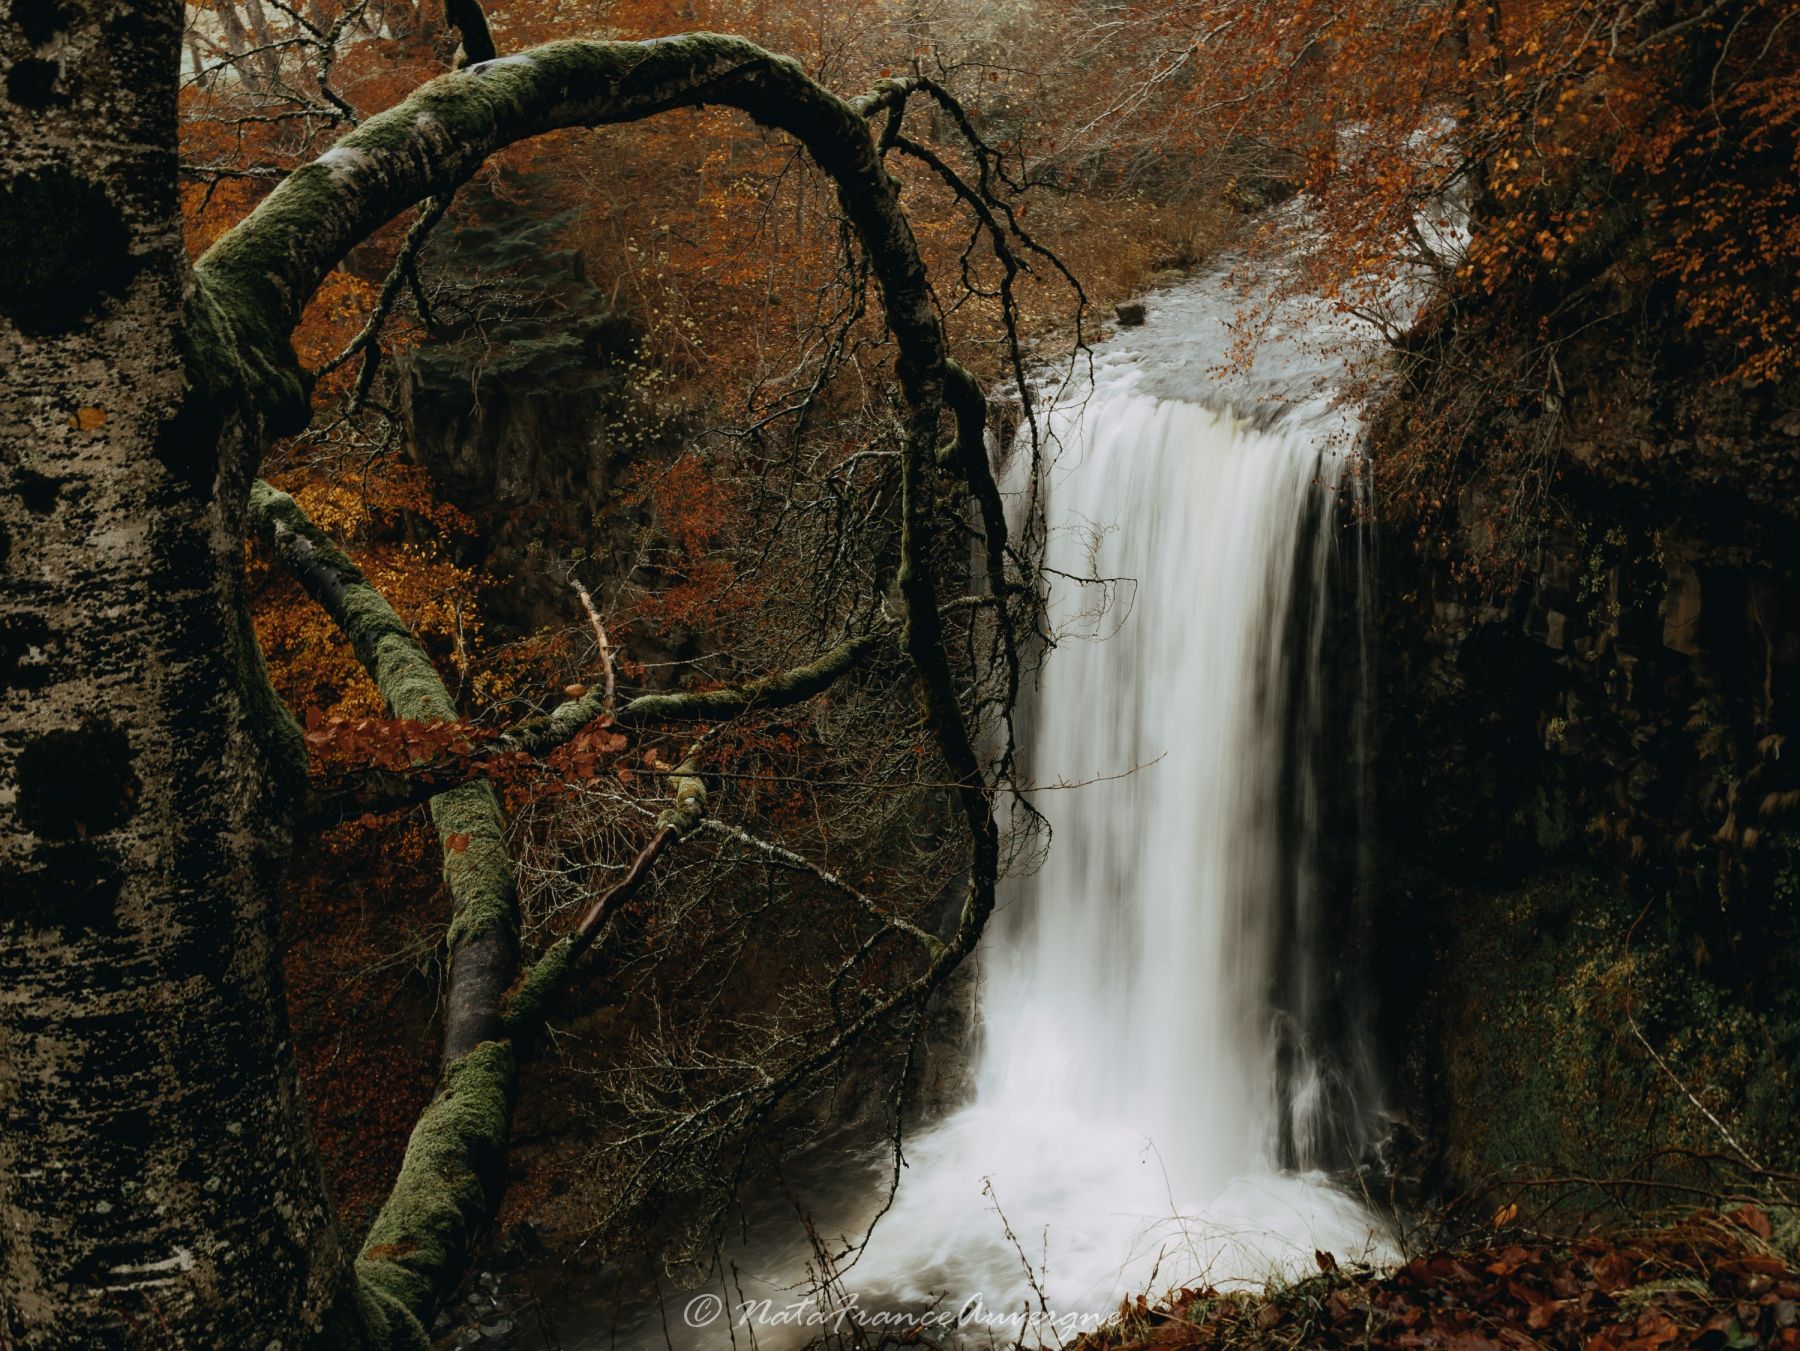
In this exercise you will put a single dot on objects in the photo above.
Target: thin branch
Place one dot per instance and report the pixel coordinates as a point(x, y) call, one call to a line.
point(606, 662)
point(377, 791)
point(367, 341)
point(537, 995)
point(931, 943)
point(471, 25)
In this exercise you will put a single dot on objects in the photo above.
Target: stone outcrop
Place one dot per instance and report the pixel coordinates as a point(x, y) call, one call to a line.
point(1589, 891)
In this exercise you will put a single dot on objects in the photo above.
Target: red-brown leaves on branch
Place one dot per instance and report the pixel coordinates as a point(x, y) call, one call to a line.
point(586, 755)
point(387, 743)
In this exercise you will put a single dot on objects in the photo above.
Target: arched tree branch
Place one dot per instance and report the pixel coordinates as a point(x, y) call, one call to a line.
point(261, 274)
point(250, 290)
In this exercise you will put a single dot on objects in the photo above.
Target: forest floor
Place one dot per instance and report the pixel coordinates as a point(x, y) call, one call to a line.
point(1716, 1282)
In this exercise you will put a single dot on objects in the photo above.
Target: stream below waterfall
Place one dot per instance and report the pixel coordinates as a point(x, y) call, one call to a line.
point(1168, 1068)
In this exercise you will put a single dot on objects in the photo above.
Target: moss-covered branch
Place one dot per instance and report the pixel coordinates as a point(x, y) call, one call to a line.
point(448, 1188)
point(449, 1181)
point(262, 272)
point(386, 790)
point(484, 925)
point(793, 686)
point(254, 283)
point(266, 268)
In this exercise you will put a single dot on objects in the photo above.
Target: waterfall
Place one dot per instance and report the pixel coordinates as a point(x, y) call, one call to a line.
point(1143, 962)
point(1167, 1056)
point(1168, 1067)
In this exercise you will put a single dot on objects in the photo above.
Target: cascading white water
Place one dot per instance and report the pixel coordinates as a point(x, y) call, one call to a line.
point(1164, 1065)
point(1136, 964)
point(1154, 1093)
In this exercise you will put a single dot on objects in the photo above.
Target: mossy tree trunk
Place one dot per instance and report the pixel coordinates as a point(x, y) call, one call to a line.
point(157, 1183)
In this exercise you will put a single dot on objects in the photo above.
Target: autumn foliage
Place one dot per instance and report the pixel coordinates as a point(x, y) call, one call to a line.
point(1552, 176)
point(1530, 160)
point(1709, 1282)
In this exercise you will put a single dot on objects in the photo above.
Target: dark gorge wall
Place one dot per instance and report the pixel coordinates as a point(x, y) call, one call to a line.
point(1587, 896)
point(532, 406)
point(536, 470)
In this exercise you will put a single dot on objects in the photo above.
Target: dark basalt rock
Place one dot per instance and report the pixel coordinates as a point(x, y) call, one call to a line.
point(1588, 821)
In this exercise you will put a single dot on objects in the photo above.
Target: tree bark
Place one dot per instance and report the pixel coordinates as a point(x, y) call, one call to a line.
point(157, 1182)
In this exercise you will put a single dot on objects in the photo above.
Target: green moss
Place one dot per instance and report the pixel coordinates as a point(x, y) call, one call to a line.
point(239, 352)
point(536, 996)
point(477, 869)
point(469, 820)
point(449, 1183)
point(775, 691)
point(275, 258)
point(1785, 1235)
point(1531, 1059)
point(248, 262)
point(368, 1319)
point(267, 719)
point(451, 1177)
point(689, 808)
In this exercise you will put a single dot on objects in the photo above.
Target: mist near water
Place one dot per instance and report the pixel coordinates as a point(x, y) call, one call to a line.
point(1170, 1081)
point(1167, 1062)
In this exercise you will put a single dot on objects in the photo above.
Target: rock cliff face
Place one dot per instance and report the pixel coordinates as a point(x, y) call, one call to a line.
point(537, 469)
point(1588, 895)
point(530, 406)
